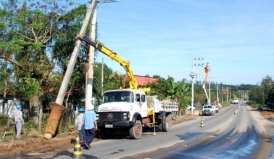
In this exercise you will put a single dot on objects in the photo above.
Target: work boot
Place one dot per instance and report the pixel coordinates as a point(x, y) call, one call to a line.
point(87, 146)
point(82, 144)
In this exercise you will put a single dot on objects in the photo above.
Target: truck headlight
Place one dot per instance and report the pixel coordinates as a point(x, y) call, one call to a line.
point(126, 115)
point(97, 116)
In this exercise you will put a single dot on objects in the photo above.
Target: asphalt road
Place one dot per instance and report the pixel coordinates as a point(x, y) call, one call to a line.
point(233, 133)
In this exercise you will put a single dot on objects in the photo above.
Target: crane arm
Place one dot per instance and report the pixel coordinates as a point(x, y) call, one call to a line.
point(207, 69)
point(126, 64)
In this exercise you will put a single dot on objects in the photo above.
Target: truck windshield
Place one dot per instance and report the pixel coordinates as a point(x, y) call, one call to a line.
point(118, 97)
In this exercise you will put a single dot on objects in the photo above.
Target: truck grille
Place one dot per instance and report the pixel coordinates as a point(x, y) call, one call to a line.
point(111, 116)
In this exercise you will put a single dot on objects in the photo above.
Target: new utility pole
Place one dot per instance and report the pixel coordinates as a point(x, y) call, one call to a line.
point(88, 97)
point(102, 77)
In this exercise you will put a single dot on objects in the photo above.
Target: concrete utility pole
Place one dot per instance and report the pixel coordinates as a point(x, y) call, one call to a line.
point(217, 93)
point(57, 107)
point(209, 89)
point(222, 96)
point(88, 98)
point(102, 77)
point(227, 93)
point(192, 75)
point(88, 101)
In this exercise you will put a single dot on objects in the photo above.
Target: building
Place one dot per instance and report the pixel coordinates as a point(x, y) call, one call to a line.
point(143, 80)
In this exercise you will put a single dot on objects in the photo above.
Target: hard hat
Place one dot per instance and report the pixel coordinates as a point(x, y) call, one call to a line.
point(18, 106)
point(81, 109)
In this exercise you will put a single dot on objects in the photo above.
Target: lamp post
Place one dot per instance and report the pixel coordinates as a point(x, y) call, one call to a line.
point(192, 75)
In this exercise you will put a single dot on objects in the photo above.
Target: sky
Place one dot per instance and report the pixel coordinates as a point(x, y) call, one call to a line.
point(162, 37)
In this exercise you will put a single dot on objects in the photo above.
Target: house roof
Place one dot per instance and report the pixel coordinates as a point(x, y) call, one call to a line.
point(142, 80)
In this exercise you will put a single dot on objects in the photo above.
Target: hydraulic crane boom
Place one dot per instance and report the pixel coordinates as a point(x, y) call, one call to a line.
point(207, 69)
point(132, 80)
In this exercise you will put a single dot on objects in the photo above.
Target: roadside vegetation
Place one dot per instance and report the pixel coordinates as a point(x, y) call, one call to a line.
point(262, 94)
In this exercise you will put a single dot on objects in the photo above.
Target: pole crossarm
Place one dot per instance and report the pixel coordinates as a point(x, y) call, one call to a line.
point(106, 1)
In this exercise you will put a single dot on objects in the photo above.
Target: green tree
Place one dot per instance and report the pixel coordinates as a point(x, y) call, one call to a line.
point(183, 93)
point(32, 26)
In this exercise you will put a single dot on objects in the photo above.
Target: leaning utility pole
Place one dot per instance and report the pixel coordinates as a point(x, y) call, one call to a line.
point(57, 107)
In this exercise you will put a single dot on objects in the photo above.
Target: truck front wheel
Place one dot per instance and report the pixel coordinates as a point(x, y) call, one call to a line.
point(136, 131)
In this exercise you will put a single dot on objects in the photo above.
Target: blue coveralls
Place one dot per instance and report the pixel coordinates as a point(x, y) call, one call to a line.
point(80, 127)
point(89, 118)
point(18, 119)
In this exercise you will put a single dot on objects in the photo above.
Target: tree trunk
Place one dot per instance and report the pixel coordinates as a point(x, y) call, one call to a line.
point(35, 104)
point(40, 118)
point(5, 89)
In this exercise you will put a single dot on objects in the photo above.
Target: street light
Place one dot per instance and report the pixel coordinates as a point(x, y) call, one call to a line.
point(192, 75)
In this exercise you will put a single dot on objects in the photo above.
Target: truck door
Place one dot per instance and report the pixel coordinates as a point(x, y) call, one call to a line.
point(141, 102)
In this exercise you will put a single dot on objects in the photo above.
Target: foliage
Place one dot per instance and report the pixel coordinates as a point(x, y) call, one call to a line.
point(31, 124)
point(31, 87)
point(183, 93)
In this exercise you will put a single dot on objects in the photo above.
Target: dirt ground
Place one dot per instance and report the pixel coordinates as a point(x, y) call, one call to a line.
point(65, 141)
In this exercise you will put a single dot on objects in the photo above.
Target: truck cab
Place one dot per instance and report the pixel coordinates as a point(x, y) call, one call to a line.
point(121, 109)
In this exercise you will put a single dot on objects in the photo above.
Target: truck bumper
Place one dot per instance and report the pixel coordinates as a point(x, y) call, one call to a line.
point(115, 123)
point(207, 113)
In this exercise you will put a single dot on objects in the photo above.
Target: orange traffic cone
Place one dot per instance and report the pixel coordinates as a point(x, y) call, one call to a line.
point(77, 148)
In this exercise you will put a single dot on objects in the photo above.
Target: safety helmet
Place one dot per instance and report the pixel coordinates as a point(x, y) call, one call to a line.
point(18, 106)
point(81, 109)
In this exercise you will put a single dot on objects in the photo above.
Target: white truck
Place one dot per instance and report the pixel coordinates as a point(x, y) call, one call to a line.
point(128, 111)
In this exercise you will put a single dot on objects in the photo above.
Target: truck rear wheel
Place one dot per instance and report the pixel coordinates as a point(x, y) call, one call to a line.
point(167, 123)
point(136, 131)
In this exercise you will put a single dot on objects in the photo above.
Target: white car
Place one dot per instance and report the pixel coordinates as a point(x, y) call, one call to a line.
point(189, 107)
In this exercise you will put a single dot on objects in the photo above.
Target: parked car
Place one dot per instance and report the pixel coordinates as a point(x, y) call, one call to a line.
point(189, 107)
point(265, 107)
point(208, 110)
